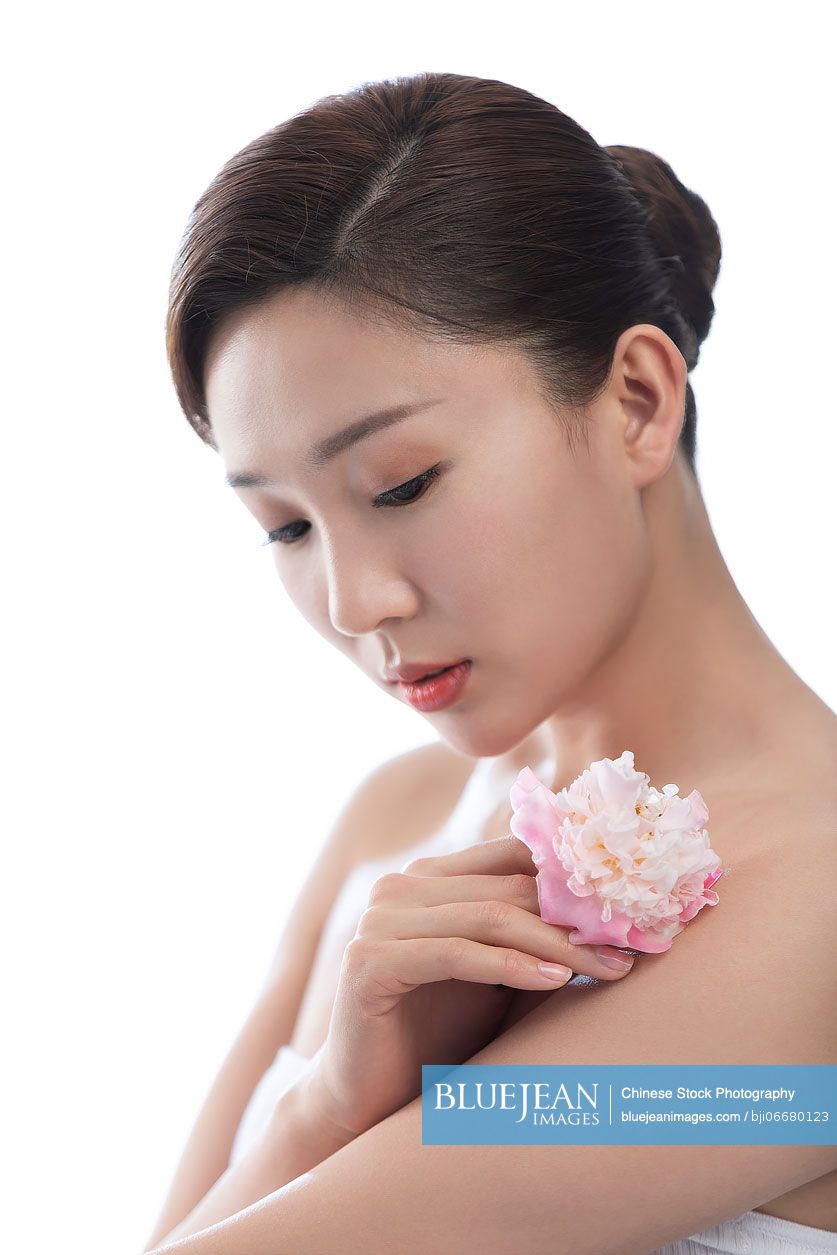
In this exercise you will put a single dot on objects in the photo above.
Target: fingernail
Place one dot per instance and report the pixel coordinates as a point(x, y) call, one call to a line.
point(614, 959)
point(555, 971)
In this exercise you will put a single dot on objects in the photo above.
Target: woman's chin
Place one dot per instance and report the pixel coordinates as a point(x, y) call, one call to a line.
point(478, 741)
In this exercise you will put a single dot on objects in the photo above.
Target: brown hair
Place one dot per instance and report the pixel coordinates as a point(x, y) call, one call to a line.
point(465, 207)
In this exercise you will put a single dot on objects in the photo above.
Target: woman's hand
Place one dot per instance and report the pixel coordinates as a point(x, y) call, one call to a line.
point(429, 975)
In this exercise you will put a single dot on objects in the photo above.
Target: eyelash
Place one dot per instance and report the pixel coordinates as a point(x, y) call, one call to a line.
point(383, 499)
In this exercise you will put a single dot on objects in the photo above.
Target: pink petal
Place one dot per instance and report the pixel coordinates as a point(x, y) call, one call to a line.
point(647, 942)
point(559, 905)
point(536, 817)
point(700, 813)
point(618, 792)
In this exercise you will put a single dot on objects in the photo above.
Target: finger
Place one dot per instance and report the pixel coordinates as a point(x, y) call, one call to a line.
point(502, 854)
point(387, 970)
point(401, 889)
point(496, 923)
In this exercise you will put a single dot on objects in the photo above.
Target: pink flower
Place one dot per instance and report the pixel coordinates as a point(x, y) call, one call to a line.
point(620, 861)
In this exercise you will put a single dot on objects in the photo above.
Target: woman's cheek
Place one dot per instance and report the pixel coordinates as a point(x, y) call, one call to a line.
point(306, 587)
point(459, 558)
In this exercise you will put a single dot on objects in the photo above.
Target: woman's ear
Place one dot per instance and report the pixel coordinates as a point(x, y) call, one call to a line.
point(649, 382)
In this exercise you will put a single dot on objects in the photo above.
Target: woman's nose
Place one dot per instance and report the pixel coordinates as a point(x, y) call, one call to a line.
point(362, 593)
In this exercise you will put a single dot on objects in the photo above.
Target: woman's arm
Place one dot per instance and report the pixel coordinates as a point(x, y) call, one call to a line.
point(207, 1150)
point(375, 810)
point(295, 1141)
point(731, 990)
point(272, 1019)
point(269, 1024)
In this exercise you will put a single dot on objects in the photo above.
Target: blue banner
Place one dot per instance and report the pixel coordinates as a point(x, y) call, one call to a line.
point(629, 1104)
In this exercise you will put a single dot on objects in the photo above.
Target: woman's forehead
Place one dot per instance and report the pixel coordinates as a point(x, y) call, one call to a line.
point(299, 382)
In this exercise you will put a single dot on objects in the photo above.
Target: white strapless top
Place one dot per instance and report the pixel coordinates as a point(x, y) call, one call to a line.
point(752, 1233)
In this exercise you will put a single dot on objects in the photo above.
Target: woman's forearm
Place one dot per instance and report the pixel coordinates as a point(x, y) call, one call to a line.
point(206, 1155)
point(295, 1141)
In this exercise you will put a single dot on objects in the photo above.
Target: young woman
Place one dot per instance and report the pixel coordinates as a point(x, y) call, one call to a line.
point(441, 340)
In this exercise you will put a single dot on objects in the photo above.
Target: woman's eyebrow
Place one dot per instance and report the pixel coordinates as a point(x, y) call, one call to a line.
point(324, 450)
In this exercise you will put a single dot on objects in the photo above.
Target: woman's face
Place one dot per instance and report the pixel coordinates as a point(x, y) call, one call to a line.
point(519, 554)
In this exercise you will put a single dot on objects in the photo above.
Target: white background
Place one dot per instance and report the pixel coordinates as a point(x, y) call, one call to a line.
point(176, 738)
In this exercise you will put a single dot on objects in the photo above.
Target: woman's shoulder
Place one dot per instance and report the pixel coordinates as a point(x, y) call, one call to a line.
point(415, 792)
point(777, 833)
point(782, 793)
point(786, 806)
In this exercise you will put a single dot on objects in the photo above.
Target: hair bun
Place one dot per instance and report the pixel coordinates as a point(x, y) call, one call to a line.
point(684, 232)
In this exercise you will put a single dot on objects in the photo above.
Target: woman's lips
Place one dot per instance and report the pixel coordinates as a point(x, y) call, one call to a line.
point(409, 672)
point(439, 691)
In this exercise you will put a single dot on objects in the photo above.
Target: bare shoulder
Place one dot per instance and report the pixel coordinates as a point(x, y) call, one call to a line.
point(412, 794)
point(773, 816)
point(392, 806)
point(788, 841)
point(764, 940)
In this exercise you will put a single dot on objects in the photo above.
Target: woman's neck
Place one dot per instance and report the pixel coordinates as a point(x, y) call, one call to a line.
point(695, 686)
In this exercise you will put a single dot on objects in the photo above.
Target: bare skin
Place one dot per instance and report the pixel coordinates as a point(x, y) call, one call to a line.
point(733, 821)
point(587, 585)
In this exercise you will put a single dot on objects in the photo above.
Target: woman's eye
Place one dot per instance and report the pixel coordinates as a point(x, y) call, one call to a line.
point(404, 494)
point(413, 489)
